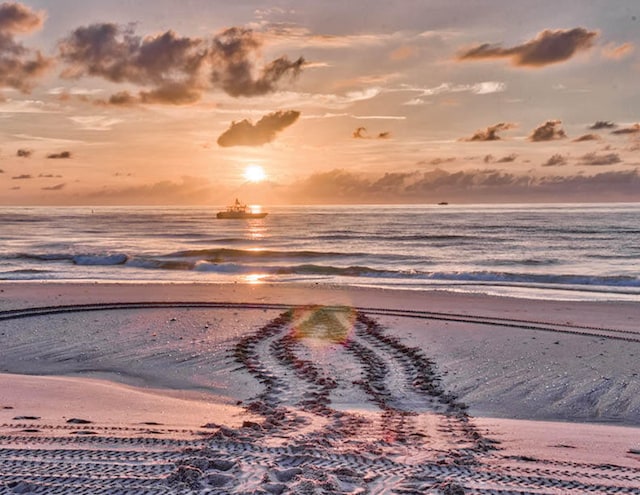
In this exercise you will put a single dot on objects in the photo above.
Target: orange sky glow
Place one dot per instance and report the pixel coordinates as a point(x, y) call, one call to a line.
point(150, 103)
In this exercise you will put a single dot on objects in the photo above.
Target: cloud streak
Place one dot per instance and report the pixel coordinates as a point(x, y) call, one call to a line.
point(548, 47)
point(244, 133)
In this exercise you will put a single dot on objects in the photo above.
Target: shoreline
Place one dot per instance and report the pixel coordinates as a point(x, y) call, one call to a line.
point(195, 371)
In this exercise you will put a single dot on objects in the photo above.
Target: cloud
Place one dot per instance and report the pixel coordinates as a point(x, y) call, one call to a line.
point(556, 160)
point(173, 69)
point(617, 52)
point(361, 133)
point(95, 122)
point(586, 137)
point(404, 52)
point(491, 132)
point(22, 177)
point(548, 47)
point(24, 153)
point(481, 88)
point(61, 155)
point(439, 161)
point(469, 186)
point(507, 159)
point(20, 67)
point(244, 133)
point(57, 187)
point(634, 129)
point(602, 124)
point(548, 131)
point(604, 159)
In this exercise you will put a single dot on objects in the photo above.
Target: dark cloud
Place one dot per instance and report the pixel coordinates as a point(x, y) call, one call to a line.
point(244, 133)
point(548, 131)
point(123, 98)
point(61, 155)
point(57, 187)
point(439, 161)
point(605, 186)
point(1, 171)
point(549, 47)
point(507, 159)
point(341, 186)
point(20, 67)
point(602, 124)
point(233, 69)
point(171, 68)
point(49, 176)
point(23, 153)
point(392, 181)
point(361, 133)
point(604, 159)
point(491, 132)
point(586, 137)
point(556, 160)
point(22, 177)
point(635, 128)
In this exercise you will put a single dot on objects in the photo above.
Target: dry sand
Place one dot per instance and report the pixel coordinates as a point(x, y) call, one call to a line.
point(186, 388)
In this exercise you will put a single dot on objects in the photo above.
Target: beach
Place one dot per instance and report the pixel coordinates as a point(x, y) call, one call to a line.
point(240, 388)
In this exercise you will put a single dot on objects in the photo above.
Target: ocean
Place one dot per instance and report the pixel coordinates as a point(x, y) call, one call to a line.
point(552, 251)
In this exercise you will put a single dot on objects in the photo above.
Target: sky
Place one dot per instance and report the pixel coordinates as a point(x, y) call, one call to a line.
point(123, 102)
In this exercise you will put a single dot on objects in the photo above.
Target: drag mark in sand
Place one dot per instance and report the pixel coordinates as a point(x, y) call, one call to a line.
point(344, 408)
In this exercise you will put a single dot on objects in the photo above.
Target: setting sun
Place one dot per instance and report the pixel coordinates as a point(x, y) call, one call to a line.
point(254, 173)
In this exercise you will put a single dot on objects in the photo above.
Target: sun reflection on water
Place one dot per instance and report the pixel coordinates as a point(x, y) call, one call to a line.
point(255, 278)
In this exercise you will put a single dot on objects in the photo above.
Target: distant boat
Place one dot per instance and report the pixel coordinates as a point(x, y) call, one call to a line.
point(240, 211)
point(443, 203)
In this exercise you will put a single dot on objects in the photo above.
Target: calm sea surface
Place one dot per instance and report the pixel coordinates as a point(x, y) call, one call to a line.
point(544, 251)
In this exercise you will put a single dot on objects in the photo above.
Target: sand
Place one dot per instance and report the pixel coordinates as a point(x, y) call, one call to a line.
point(198, 388)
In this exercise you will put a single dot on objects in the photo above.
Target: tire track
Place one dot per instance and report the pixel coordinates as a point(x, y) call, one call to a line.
point(313, 364)
point(537, 325)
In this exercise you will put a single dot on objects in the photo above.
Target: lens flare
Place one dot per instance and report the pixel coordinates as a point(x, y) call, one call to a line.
point(324, 325)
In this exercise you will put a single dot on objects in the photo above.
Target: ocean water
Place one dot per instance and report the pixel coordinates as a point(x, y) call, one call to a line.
point(543, 251)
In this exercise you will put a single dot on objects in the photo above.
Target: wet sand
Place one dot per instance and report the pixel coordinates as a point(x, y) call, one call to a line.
point(184, 388)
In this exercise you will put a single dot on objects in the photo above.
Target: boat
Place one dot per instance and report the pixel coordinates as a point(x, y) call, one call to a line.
point(240, 211)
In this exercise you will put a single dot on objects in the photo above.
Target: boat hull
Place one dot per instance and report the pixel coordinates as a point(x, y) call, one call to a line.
point(236, 215)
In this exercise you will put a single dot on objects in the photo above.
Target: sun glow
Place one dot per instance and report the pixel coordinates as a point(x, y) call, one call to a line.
point(254, 173)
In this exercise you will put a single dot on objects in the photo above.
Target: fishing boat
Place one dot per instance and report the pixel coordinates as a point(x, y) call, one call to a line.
point(240, 211)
